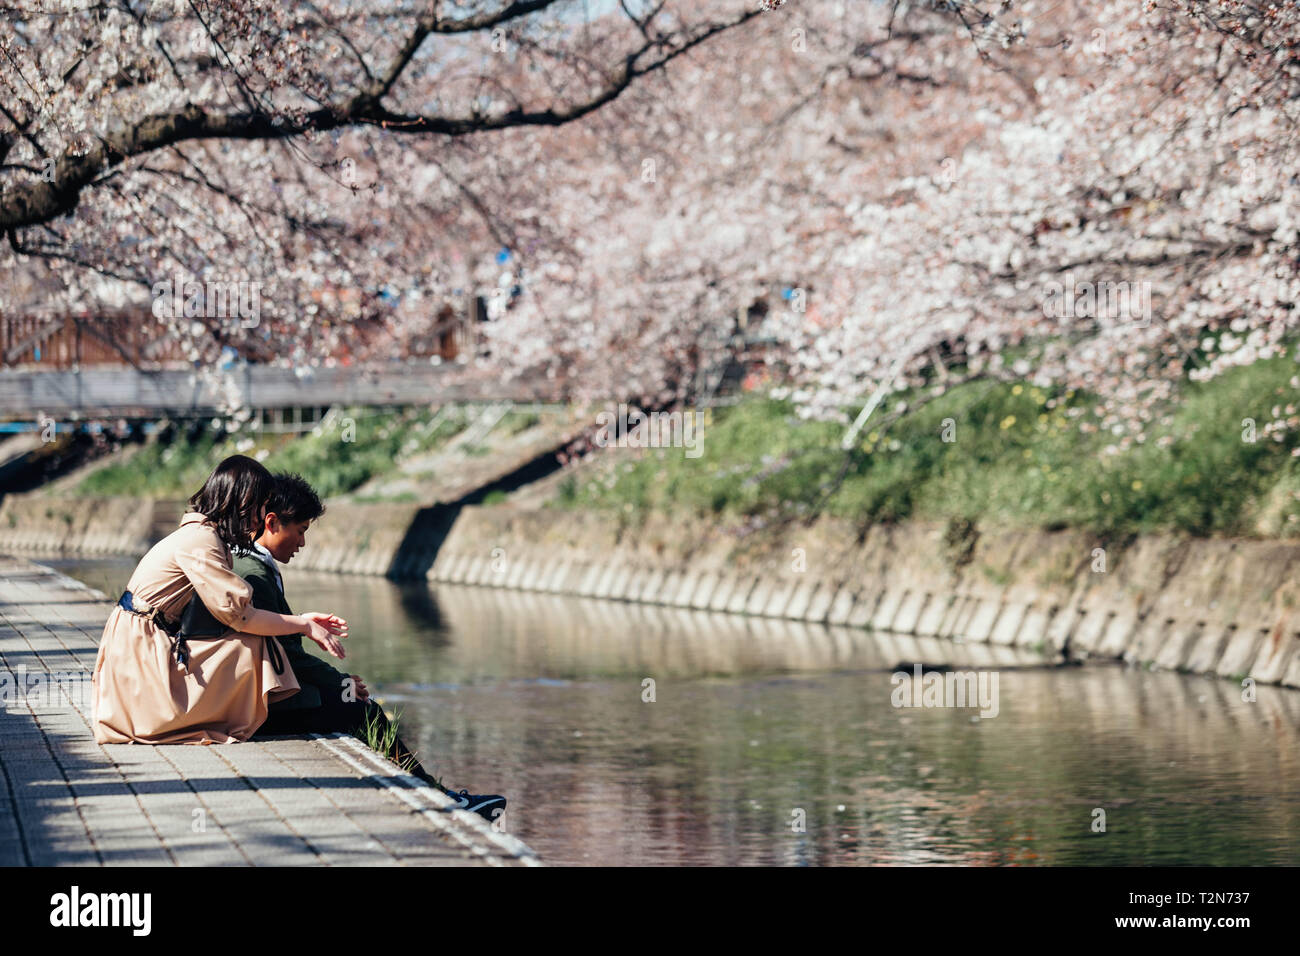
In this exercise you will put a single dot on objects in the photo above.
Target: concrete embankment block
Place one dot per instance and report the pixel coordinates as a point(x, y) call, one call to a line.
point(653, 585)
point(1008, 623)
point(712, 589)
point(619, 585)
point(562, 577)
point(481, 572)
point(1094, 620)
point(819, 604)
point(982, 620)
point(1206, 651)
point(380, 563)
point(636, 582)
point(1240, 651)
point(573, 575)
point(466, 565)
point(587, 584)
point(1036, 626)
point(800, 598)
point(1063, 627)
point(516, 565)
point(1276, 653)
point(1179, 641)
point(754, 595)
point(604, 581)
point(932, 617)
point(1147, 637)
point(886, 609)
point(956, 610)
point(666, 587)
point(726, 587)
point(531, 573)
point(841, 606)
point(778, 598)
point(553, 577)
point(576, 575)
point(458, 571)
point(1119, 631)
point(690, 580)
point(909, 612)
point(967, 609)
point(1292, 676)
point(865, 602)
point(438, 571)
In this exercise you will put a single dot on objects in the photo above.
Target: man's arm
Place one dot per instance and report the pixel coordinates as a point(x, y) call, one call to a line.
point(265, 594)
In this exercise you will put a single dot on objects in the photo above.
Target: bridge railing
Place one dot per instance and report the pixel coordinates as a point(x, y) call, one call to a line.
point(95, 392)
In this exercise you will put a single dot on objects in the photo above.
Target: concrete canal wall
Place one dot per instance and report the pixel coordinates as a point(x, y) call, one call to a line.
point(379, 538)
point(1225, 607)
point(37, 524)
point(1214, 606)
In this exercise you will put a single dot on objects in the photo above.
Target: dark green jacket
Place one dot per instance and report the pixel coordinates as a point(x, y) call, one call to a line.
point(315, 676)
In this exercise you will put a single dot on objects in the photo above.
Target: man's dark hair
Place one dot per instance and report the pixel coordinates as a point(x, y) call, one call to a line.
point(232, 497)
point(293, 499)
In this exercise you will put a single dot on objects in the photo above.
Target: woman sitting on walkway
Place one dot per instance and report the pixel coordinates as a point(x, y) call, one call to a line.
point(152, 686)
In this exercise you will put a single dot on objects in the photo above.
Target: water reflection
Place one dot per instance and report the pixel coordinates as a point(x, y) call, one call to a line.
point(754, 721)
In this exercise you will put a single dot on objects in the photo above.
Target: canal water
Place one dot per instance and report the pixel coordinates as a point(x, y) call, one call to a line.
point(770, 742)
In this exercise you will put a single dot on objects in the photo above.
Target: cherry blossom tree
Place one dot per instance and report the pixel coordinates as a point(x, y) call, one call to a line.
point(1095, 196)
point(338, 154)
point(1107, 204)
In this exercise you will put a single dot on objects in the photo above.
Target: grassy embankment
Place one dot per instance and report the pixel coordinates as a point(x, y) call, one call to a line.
point(1018, 460)
point(336, 457)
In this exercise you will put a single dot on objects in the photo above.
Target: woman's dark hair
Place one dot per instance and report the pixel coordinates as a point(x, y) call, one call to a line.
point(293, 500)
point(232, 498)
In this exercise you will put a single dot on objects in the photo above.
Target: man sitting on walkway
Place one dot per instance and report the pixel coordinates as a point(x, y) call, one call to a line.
point(330, 701)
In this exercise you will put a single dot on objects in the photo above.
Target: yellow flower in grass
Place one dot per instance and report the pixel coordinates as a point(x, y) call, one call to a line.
point(1137, 484)
point(1017, 389)
point(1007, 422)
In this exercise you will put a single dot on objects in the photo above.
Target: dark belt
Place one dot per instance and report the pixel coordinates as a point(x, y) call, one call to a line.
point(179, 649)
point(198, 621)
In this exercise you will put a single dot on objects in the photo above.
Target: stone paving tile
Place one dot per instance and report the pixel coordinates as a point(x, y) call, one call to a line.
point(66, 800)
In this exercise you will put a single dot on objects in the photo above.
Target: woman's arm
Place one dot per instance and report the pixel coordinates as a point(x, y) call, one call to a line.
point(325, 629)
point(230, 599)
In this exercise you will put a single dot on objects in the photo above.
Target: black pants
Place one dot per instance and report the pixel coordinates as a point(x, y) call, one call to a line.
point(335, 715)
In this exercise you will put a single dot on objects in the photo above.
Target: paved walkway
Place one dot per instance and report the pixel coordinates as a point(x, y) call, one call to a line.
point(66, 800)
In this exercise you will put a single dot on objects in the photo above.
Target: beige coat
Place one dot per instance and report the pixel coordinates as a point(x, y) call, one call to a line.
point(142, 694)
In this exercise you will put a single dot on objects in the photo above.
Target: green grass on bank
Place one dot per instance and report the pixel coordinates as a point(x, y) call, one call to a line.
point(1018, 460)
point(343, 453)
